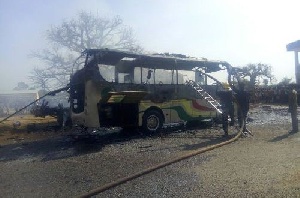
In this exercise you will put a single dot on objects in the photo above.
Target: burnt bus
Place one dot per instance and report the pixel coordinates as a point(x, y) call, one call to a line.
point(130, 90)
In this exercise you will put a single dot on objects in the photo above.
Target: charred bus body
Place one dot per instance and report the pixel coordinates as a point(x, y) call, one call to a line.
point(128, 90)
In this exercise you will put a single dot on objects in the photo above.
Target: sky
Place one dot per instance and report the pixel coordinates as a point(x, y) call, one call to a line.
point(237, 31)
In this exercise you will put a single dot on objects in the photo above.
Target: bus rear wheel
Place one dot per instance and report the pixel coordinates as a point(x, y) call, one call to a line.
point(152, 121)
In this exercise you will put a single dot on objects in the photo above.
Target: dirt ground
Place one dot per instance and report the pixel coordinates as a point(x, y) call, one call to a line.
point(46, 163)
point(30, 129)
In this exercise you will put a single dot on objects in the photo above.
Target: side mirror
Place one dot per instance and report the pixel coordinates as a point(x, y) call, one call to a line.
point(149, 74)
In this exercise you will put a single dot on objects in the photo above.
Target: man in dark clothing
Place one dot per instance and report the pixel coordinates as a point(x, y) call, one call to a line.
point(226, 100)
point(243, 100)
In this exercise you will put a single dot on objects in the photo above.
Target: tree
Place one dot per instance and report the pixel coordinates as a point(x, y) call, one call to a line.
point(285, 81)
point(21, 86)
point(40, 77)
point(68, 40)
point(254, 73)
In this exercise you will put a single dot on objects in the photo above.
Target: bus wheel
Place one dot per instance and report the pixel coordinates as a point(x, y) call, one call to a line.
point(152, 121)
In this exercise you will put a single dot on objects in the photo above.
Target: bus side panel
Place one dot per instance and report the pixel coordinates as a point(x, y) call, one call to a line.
point(181, 110)
point(188, 110)
point(201, 108)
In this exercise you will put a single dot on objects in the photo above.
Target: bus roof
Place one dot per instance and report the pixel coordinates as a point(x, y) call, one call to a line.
point(155, 61)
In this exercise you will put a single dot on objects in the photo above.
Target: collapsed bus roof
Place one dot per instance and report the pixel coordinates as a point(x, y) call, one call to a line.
point(155, 61)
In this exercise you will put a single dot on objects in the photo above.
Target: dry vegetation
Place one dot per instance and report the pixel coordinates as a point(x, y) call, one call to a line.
point(30, 129)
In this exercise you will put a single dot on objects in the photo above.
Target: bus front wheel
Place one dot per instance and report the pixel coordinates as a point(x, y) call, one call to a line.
point(152, 121)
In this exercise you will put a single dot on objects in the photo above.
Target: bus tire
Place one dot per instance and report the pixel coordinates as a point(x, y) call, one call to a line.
point(152, 121)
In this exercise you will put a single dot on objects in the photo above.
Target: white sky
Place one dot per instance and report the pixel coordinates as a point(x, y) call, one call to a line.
point(236, 31)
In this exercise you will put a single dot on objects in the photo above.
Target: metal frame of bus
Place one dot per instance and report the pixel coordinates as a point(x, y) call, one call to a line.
point(149, 103)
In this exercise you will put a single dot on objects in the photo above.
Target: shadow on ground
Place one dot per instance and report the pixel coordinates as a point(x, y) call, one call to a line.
point(65, 146)
point(284, 136)
point(60, 147)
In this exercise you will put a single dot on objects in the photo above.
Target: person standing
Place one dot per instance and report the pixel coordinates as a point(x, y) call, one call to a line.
point(293, 110)
point(242, 98)
point(226, 100)
point(243, 103)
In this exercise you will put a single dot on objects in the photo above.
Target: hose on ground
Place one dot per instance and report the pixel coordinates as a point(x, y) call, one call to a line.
point(158, 166)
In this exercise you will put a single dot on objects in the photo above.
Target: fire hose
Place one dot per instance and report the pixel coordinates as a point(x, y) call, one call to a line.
point(158, 166)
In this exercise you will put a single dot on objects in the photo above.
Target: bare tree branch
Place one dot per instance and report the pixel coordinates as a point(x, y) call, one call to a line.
point(70, 38)
point(255, 72)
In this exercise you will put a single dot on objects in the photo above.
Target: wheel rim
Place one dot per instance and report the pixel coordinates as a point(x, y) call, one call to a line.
point(152, 122)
